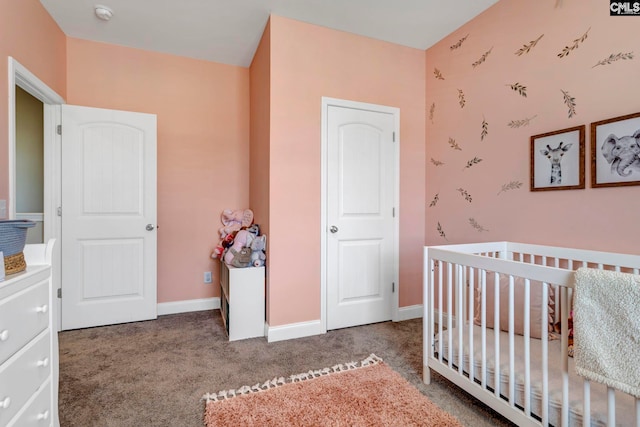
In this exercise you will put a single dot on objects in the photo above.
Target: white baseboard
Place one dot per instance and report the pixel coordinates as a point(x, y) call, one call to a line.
point(187, 306)
point(410, 312)
point(273, 333)
point(293, 330)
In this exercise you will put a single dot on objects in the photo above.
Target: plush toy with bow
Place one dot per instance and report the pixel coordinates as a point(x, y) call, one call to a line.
point(235, 220)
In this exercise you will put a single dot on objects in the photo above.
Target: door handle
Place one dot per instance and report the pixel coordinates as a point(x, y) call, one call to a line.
point(150, 227)
point(333, 229)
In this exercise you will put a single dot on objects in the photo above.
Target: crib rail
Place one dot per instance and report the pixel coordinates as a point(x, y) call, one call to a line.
point(525, 378)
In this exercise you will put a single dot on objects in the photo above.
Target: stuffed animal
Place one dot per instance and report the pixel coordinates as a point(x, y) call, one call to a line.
point(234, 220)
point(258, 248)
point(254, 229)
point(223, 245)
point(239, 254)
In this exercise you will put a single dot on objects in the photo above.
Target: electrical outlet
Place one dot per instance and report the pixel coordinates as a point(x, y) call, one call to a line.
point(207, 277)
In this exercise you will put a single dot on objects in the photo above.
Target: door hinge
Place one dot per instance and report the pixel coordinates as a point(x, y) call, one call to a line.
point(59, 211)
point(59, 292)
point(59, 129)
point(393, 212)
point(393, 287)
point(394, 137)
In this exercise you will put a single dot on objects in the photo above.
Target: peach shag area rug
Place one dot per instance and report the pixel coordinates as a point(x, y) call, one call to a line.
point(368, 393)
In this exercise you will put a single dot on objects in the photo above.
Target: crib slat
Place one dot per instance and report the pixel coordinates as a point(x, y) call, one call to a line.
point(450, 313)
point(637, 412)
point(483, 323)
point(586, 413)
point(527, 347)
point(512, 356)
point(611, 407)
point(440, 310)
point(545, 361)
point(460, 316)
point(564, 300)
point(471, 322)
point(496, 340)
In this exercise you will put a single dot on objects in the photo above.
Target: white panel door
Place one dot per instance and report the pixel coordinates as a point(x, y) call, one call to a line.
point(109, 241)
point(360, 198)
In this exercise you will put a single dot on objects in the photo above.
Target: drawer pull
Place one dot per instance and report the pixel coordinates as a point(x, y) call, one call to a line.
point(42, 309)
point(43, 415)
point(4, 404)
point(4, 335)
point(44, 362)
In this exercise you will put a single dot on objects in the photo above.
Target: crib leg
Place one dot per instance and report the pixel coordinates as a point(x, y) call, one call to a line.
point(426, 374)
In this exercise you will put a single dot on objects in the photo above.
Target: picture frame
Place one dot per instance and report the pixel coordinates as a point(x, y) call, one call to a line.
point(557, 160)
point(615, 151)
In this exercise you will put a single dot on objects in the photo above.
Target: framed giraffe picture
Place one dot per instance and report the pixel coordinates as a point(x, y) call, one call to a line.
point(557, 160)
point(615, 151)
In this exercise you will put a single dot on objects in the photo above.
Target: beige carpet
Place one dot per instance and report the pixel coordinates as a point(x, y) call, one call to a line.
point(368, 393)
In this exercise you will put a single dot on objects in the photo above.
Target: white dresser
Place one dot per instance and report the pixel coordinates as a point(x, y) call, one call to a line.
point(29, 344)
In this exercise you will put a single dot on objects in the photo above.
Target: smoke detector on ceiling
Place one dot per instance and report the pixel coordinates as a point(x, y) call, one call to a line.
point(103, 12)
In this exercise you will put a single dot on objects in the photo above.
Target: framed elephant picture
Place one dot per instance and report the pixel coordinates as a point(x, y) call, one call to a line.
point(557, 160)
point(615, 151)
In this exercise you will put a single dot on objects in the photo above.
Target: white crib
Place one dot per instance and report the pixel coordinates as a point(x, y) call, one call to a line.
point(531, 381)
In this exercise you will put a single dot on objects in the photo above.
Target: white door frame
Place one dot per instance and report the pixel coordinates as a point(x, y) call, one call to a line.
point(19, 75)
point(324, 144)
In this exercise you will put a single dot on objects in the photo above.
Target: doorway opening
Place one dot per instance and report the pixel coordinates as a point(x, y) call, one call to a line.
point(22, 80)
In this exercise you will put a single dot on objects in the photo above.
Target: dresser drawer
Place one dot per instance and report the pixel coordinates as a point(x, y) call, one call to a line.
point(23, 315)
point(22, 375)
point(38, 412)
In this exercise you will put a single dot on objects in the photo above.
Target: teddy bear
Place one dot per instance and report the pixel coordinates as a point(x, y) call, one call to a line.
point(258, 248)
point(239, 253)
point(234, 220)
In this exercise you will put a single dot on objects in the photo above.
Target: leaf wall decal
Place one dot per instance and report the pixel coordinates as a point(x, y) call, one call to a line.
point(485, 129)
point(436, 162)
point(459, 43)
point(575, 45)
point(482, 59)
point(521, 89)
point(438, 74)
point(435, 200)
point(477, 226)
point(464, 194)
point(527, 47)
point(570, 102)
point(512, 185)
point(441, 231)
point(520, 123)
point(615, 57)
point(461, 99)
point(454, 144)
point(472, 162)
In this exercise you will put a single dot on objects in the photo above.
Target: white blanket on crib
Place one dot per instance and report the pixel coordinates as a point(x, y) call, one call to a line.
point(607, 328)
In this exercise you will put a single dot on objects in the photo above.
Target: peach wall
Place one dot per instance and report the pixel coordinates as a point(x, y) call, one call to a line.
point(601, 218)
point(203, 146)
point(30, 36)
point(259, 184)
point(307, 63)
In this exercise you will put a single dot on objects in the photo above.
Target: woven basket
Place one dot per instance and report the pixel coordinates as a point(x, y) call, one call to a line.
point(13, 236)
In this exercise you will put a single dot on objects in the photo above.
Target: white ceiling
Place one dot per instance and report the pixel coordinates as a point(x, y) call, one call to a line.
point(228, 31)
